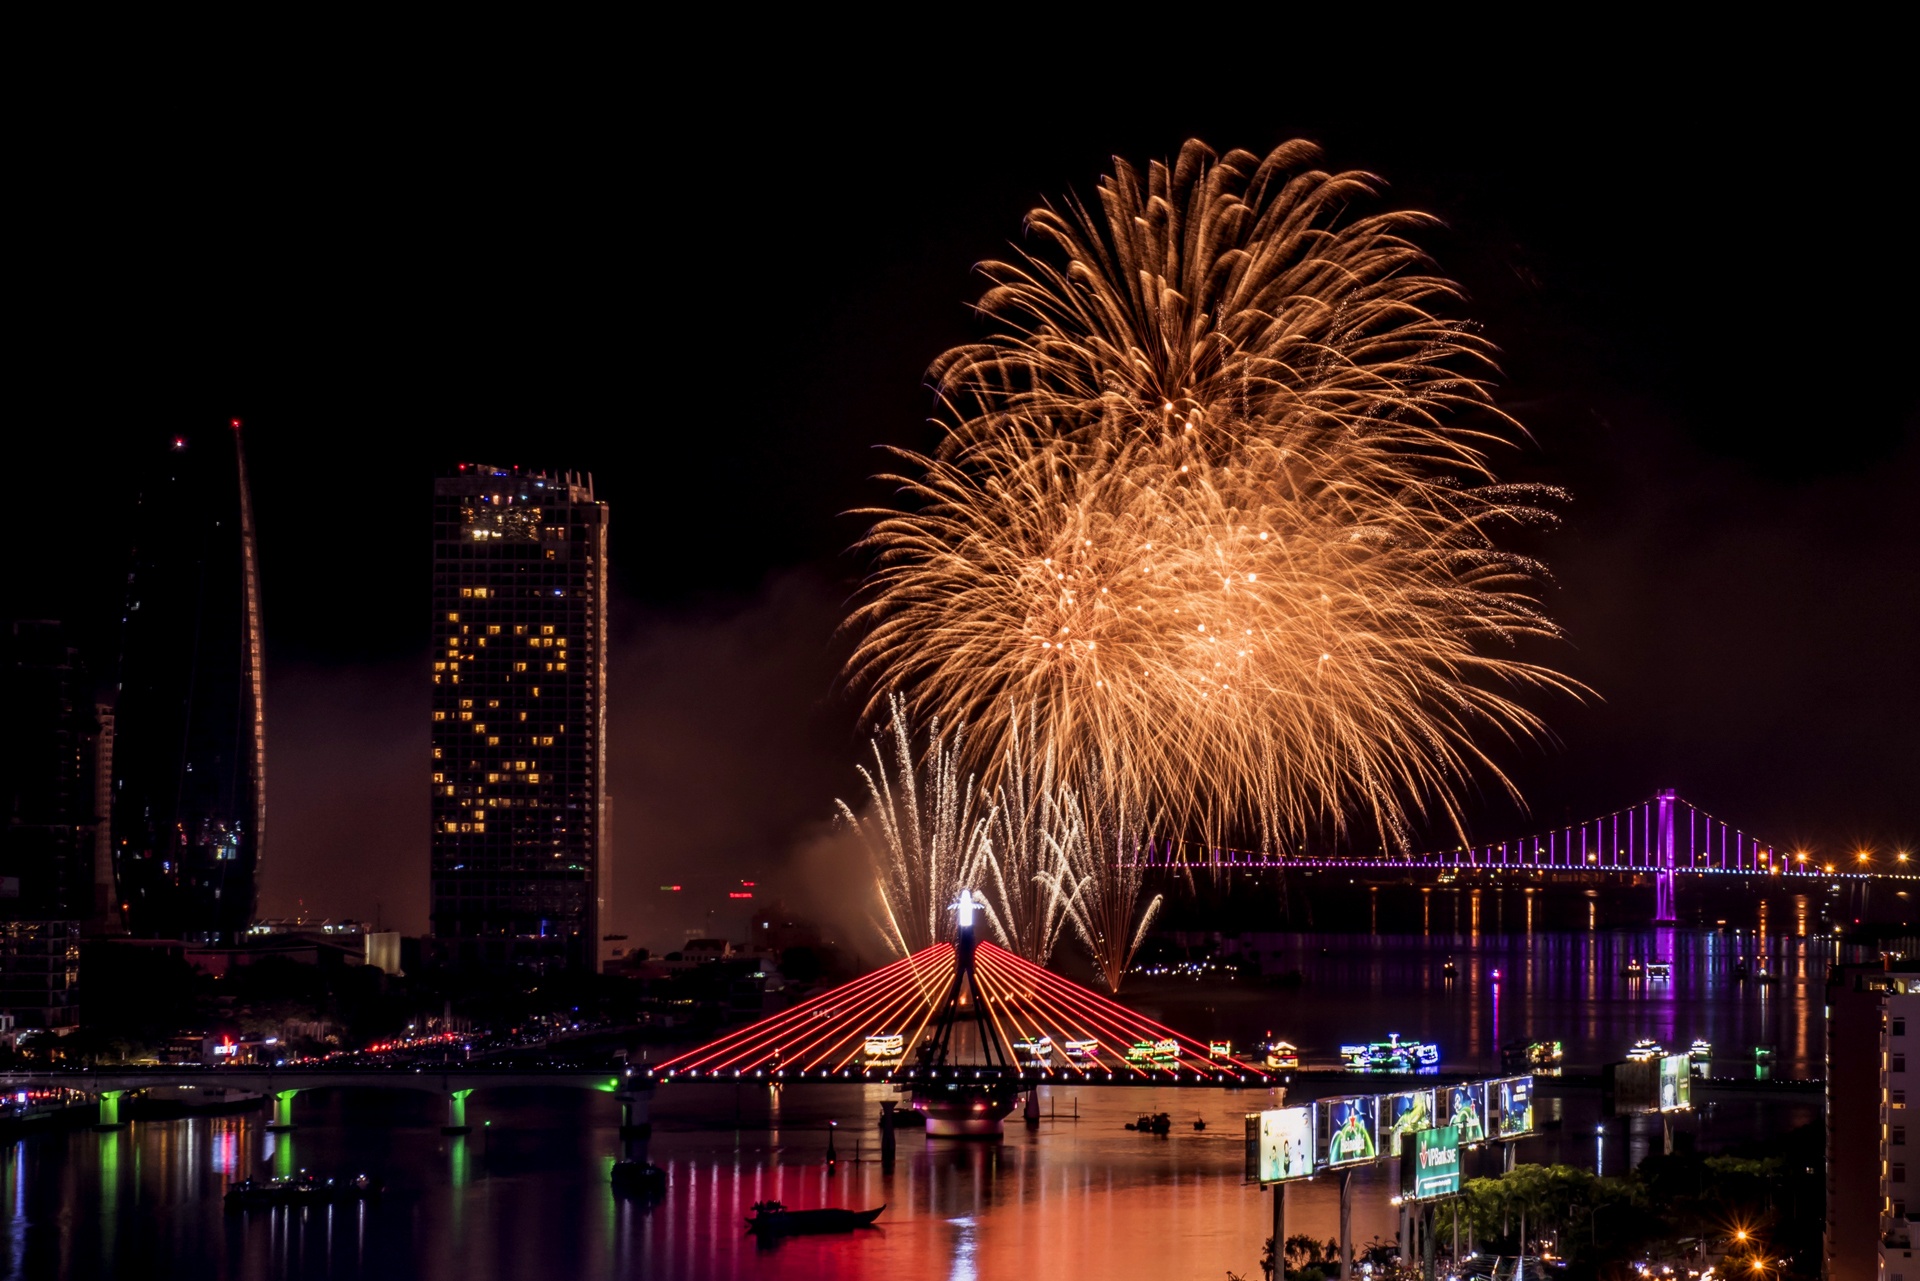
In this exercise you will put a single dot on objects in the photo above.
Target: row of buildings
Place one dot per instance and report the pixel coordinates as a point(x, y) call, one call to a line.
point(134, 795)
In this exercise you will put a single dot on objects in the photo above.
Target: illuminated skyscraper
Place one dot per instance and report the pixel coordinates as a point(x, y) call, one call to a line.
point(189, 749)
point(519, 718)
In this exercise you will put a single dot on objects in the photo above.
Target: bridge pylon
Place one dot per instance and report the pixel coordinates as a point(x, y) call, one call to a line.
point(1664, 908)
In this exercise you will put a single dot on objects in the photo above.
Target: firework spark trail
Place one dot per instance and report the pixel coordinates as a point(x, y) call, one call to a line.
point(1215, 501)
point(921, 833)
point(1101, 877)
point(1028, 837)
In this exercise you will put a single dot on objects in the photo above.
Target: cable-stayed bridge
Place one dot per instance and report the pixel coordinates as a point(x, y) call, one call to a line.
point(1665, 835)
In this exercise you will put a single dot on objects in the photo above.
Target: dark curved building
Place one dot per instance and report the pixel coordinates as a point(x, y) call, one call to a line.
point(189, 763)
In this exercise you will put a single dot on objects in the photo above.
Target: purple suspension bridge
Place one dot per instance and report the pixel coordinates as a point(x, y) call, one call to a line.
point(1664, 835)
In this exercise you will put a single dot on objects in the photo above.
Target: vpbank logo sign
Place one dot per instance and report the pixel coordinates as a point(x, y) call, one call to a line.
point(1430, 1164)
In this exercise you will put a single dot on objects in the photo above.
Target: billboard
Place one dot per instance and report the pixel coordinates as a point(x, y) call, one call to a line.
point(1403, 1114)
point(1349, 1129)
point(1513, 1106)
point(1467, 1111)
point(1280, 1144)
point(1676, 1083)
point(1430, 1164)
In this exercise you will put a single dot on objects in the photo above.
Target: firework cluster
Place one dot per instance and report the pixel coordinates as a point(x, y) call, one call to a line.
point(1214, 510)
point(1047, 856)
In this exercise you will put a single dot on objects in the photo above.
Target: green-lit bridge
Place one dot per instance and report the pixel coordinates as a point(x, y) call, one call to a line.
point(454, 1082)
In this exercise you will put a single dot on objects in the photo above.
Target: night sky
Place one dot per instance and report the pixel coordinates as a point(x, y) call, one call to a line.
point(717, 287)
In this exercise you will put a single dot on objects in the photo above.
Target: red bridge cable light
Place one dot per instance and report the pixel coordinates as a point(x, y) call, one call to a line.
point(802, 1037)
point(735, 1040)
point(764, 1028)
point(1108, 1028)
point(1045, 1020)
point(1041, 975)
point(855, 1044)
point(850, 1024)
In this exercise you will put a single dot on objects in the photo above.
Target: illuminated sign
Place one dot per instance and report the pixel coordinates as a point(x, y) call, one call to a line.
point(1280, 1144)
point(1403, 1114)
point(1467, 1111)
point(1676, 1084)
point(1513, 1104)
point(1349, 1129)
point(1430, 1164)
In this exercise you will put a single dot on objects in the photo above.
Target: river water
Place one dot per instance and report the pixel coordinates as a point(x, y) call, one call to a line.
point(525, 1195)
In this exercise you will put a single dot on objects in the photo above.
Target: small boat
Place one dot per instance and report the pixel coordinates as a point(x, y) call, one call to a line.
point(306, 1189)
point(772, 1219)
point(1449, 970)
point(1533, 1056)
point(1152, 1123)
point(1634, 969)
point(1740, 971)
point(638, 1178)
point(1199, 1123)
point(1659, 972)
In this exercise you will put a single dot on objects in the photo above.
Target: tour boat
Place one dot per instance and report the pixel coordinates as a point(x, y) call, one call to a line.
point(770, 1218)
point(1700, 1051)
point(1659, 972)
point(1081, 1051)
point(1283, 1055)
point(1161, 1053)
point(1645, 1050)
point(885, 1049)
point(1034, 1051)
point(1391, 1055)
point(1219, 1049)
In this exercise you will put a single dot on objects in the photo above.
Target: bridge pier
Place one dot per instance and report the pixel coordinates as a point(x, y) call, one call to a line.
point(456, 1113)
point(635, 1112)
point(282, 1111)
point(110, 1111)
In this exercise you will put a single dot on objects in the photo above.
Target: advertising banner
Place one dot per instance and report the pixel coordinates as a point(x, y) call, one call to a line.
point(1430, 1164)
point(1676, 1084)
point(1404, 1114)
point(1467, 1111)
point(1513, 1106)
point(1280, 1144)
point(1349, 1129)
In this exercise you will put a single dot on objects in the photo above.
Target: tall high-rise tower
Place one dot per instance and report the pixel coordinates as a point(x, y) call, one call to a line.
point(189, 751)
point(519, 718)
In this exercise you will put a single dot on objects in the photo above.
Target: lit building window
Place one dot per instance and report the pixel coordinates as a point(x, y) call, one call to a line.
point(493, 629)
point(439, 716)
point(519, 667)
point(494, 741)
point(453, 618)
